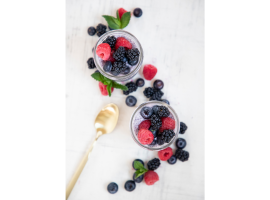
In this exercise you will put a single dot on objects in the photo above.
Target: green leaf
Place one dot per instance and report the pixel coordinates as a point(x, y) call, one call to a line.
point(119, 86)
point(139, 173)
point(125, 19)
point(97, 76)
point(109, 89)
point(117, 14)
point(138, 165)
point(113, 22)
point(107, 82)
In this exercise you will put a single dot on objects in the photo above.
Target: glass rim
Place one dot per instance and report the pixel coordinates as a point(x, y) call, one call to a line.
point(159, 103)
point(127, 76)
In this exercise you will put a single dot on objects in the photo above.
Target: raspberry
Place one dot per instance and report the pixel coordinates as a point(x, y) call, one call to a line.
point(149, 72)
point(150, 177)
point(103, 89)
point(104, 51)
point(145, 136)
point(145, 124)
point(165, 154)
point(167, 123)
point(121, 11)
point(123, 42)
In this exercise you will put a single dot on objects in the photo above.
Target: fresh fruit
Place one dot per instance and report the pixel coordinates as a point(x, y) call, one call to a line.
point(91, 31)
point(172, 160)
point(149, 72)
point(139, 160)
point(155, 122)
point(112, 188)
point(182, 155)
point(167, 123)
point(122, 42)
point(91, 63)
point(148, 92)
point(117, 68)
point(140, 82)
point(110, 28)
point(96, 71)
point(158, 84)
point(154, 142)
point(167, 135)
point(146, 112)
point(121, 11)
point(166, 101)
point(119, 54)
point(107, 66)
point(180, 143)
point(145, 136)
point(153, 164)
point(103, 51)
point(155, 109)
point(153, 131)
point(124, 59)
point(131, 101)
point(111, 40)
point(101, 29)
point(103, 89)
point(145, 124)
point(139, 179)
point(163, 111)
point(126, 70)
point(130, 186)
point(132, 55)
point(159, 140)
point(137, 12)
point(150, 177)
point(165, 154)
point(133, 62)
point(157, 94)
point(183, 128)
point(132, 87)
point(111, 56)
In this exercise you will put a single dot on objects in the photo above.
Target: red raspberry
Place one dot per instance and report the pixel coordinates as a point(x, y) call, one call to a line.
point(121, 11)
point(145, 136)
point(145, 124)
point(150, 177)
point(103, 89)
point(165, 154)
point(149, 72)
point(122, 42)
point(167, 123)
point(104, 51)
point(111, 58)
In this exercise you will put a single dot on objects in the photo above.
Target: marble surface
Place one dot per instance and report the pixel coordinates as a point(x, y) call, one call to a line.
point(172, 35)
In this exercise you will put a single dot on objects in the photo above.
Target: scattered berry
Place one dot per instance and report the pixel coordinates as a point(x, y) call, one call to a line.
point(172, 160)
point(150, 177)
point(91, 31)
point(103, 89)
point(126, 70)
point(148, 92)
point(163, 111)
point(139, 179)
point(146, 112)
point(155, 122)
point(132, 87)
point(132, 56)
point(121, 11)
point(130, 186)
point(137, 12)
point(96, 71)
point(165, 154)
point(149, 72)
point(131, 101)
point(107, 66)
point(183, 128)
point(158, 84)
point(153, 164)
point(104, 51)
point(167, 123)
point(91, 63)
point(167, 135)
point(145, 136)
point(139, 160)
point(119, 54)
point(112, 188)
point(182, 155)
point(122, 42)
point(157, 94)
point(140, 82)
point(101, 29)
point(145, 124)
point(118, 67)
point(180, 143)
point(166, 101)
point(111, 40)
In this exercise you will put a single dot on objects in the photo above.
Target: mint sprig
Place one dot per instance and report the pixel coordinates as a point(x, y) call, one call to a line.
point(117, 23)
point(110, 83)
point(140, 170)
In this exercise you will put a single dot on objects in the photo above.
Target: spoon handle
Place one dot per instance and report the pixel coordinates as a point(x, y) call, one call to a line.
point(79, 169)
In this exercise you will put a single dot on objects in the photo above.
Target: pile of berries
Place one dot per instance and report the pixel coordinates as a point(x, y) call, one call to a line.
point(155, 93)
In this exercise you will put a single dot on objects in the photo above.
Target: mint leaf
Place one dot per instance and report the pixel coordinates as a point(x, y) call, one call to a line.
point(97, 76)
point(107, 82)
point(109, 89)
point(117, 14)
point(125, 19)
point(140, 172)
point(119, 86)
point(138, 165)
point(113, 22)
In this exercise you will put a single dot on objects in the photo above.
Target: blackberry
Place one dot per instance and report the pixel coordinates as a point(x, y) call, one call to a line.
point(91, 31)
point(132, 54)
point(101, 29)
point(132, 87)
point(119, 54)
point(91, 63)
point(167, 135)
point(117, 68)
point(182, 155)
point(157, 94)
point(155, 122)
point(111, 40)
point(160, 141)
point(153, 164)
point(163, 111)
point(183, 128)
point(148, 92)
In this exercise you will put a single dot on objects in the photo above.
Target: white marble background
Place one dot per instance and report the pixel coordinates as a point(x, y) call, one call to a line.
point(172, 35)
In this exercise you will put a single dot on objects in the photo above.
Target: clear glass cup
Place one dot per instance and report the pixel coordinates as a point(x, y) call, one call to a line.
point(136, 119)
point(133, 69)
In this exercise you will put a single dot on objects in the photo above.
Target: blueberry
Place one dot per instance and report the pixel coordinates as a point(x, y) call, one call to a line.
point(140, 82)
point(133, 62)
point(130, 185)
point(137, 12)
point(146, 112)
point(115, 73)
point(107, 66)
point(158, 84)
point(139, 161)
point(96, 71)
point(166, 101)
point(126, 70)
point(124, 59)
point(139, 179)
point(131, 101)
point(154, 142)
point(112, 188)
point(91, 31)
point(180, 143)
point(155, 132)
point(172, 160)
point(155, 109)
